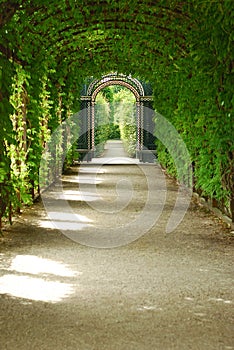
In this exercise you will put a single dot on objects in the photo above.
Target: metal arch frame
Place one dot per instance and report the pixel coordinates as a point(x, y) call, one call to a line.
point(115, 82)
point(115, 76)
point(130, 83)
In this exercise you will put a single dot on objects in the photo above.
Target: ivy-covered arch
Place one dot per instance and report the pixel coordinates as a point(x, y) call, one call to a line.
point(144, 114)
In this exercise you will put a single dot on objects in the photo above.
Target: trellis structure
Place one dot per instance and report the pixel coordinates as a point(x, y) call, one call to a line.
point(184, 48)
point(145, 147)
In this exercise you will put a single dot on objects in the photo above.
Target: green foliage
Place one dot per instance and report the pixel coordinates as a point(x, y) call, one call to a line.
point(199, 102)
point(125, 117)
point(114, 131)
point(115, 118)
point(185, 49)
point(102, 118)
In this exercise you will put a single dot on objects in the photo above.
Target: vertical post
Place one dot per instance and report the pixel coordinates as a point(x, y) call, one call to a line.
point(138, 122)
point(93, 128)
point(88, 131)
point(148, 125)
point(84, 140)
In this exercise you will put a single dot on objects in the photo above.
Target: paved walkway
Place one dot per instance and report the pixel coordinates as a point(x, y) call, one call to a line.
point(160, 291)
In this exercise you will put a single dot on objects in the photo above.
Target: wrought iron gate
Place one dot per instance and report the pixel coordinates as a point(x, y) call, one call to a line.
point(145, 147)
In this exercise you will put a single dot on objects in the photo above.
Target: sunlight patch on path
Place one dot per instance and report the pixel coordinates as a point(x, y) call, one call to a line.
point(39, 288)
point(35, 265)
point(65, 221)
point(34, 288)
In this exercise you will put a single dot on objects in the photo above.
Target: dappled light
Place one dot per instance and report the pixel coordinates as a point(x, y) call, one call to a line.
point(40, 287)
point(34, 288)
point(65, 221)
point(82, 179)
point(115, 161)
point(91, 170)
point(73, 195)
point(36, 265)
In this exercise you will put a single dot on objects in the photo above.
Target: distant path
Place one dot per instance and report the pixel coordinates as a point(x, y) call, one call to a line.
point(114, 148)
point(160, 292)
point(115, 154)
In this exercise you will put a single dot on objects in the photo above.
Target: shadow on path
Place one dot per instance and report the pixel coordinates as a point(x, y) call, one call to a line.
point(158, 292)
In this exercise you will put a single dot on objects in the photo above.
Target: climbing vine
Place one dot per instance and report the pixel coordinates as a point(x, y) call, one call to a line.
point(125, 117)
point(48, 50)
point(102, 120)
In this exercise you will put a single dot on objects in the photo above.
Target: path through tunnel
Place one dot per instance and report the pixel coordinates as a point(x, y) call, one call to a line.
point(167, 281)
point(182, 49)
point(90, 268)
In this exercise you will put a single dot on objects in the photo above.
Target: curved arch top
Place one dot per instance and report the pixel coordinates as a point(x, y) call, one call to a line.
point(144, 113)
point(116, 79)
point(115, 82)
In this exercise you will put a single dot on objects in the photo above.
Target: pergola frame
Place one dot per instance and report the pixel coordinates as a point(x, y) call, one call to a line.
point(144, 113)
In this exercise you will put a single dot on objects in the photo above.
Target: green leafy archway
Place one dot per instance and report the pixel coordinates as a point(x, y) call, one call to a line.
point(47, 51)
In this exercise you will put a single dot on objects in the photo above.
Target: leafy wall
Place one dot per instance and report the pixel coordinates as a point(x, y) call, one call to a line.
point(48, 49)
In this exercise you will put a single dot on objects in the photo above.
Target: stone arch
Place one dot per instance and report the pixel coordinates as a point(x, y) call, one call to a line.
point(144, 116)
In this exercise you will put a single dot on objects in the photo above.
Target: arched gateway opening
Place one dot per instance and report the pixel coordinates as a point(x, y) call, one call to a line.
point(145, 145)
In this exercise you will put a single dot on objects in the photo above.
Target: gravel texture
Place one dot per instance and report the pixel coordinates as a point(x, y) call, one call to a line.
point(161, 291)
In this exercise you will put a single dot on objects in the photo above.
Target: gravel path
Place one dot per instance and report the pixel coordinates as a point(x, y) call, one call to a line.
point(161, 291)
